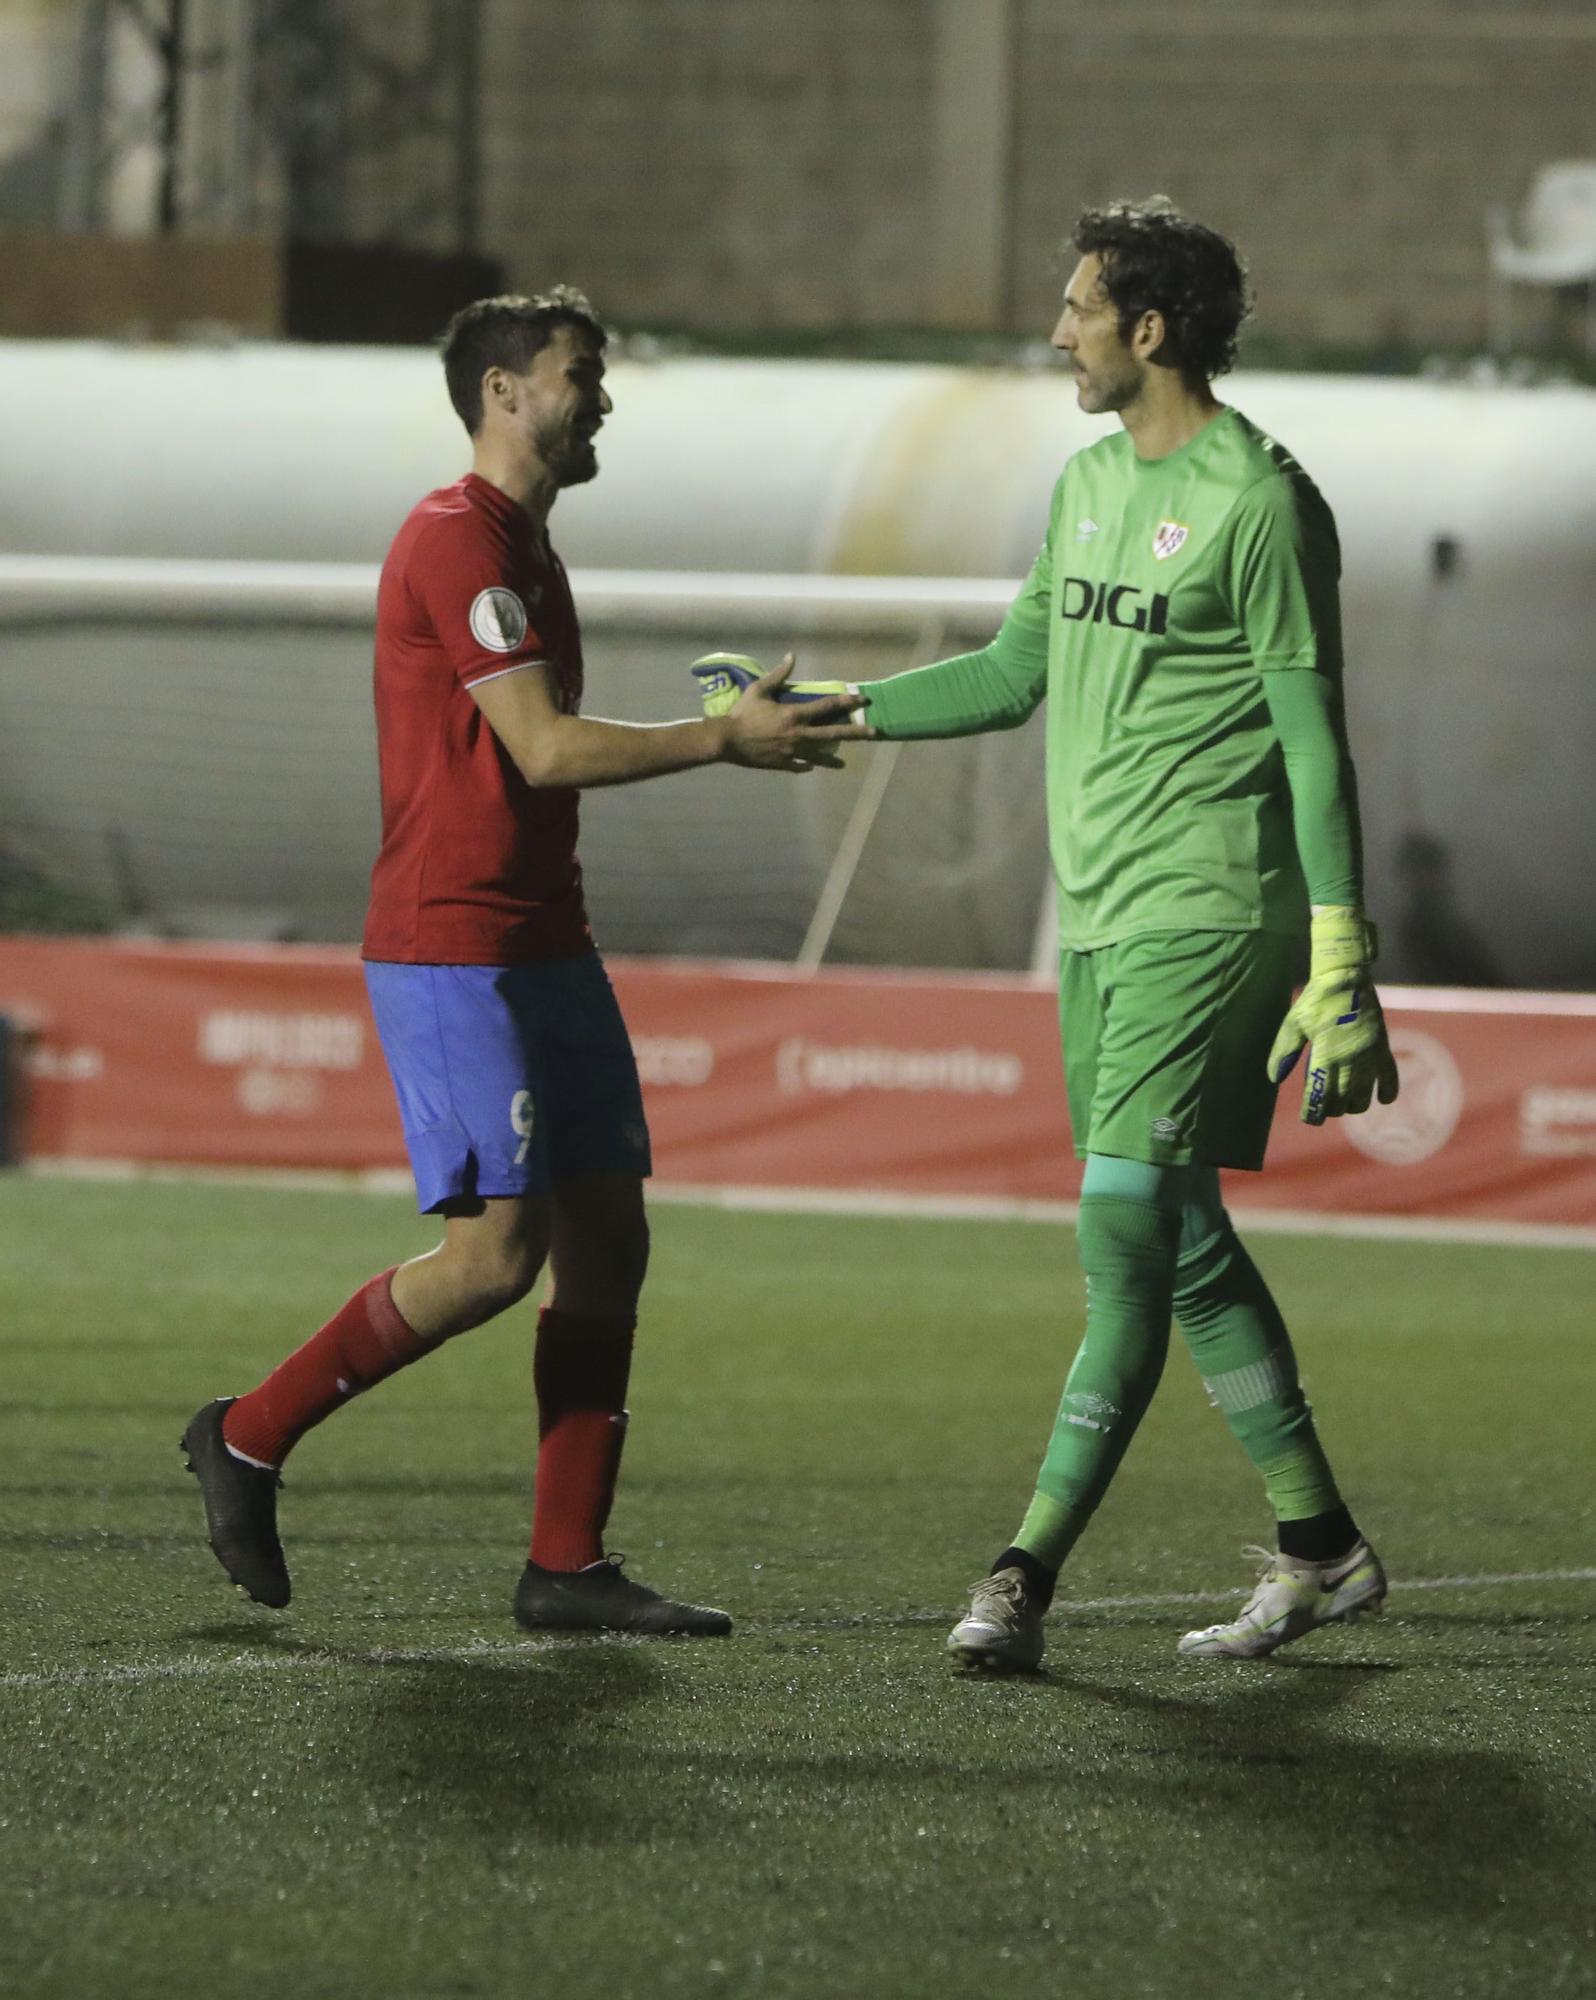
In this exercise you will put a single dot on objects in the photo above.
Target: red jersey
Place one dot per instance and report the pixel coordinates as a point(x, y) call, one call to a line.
point(476, 867)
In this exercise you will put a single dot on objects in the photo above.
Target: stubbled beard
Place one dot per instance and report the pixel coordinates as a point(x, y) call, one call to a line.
point(579, 465)
point(1110, 394)
point(570, 458)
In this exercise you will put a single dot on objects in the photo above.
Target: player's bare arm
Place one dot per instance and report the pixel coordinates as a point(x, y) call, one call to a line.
point(766, 733)
point(552, 748)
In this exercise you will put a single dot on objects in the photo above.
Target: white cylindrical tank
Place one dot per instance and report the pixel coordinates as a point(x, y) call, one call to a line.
point(1467, 515)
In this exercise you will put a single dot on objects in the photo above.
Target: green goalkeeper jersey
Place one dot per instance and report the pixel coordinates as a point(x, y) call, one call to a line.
point(1180, 608)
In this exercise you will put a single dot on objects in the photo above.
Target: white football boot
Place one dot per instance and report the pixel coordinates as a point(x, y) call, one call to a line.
point(1293, 1598)
point(1003, 1630)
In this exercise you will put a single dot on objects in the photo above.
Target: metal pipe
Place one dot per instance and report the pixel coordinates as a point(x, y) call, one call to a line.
point(66, 589)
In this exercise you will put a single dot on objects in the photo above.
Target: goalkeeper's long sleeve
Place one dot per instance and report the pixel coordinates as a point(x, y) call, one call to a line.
point(1283, 576)
point(964, 696)
point(1337, 1016)
point(996, 688)
point(1306, 709)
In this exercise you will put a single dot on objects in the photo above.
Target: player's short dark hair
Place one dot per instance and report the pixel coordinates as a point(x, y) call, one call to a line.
point(1156, 259)
point(507, 332)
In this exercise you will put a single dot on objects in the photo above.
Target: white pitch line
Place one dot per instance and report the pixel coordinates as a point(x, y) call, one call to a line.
point(198, 1669)
point(862, 1202)
point(1398, 1583)
point(1001, 1208)
point(423, 1656)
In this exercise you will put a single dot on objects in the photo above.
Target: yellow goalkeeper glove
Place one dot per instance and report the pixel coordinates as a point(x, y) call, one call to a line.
point(723, 679)
point(1337, 1019)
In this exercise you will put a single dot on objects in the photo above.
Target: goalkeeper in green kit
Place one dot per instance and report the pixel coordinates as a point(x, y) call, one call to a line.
point(1182, 622)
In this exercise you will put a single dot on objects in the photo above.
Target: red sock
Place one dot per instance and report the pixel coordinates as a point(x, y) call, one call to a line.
point(362, 1342)
point(579, 1369)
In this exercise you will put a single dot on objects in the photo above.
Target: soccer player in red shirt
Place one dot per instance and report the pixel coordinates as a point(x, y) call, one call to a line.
point(515, 1078)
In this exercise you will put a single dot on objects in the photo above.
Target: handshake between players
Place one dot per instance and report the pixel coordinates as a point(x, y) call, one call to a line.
point(757, 710)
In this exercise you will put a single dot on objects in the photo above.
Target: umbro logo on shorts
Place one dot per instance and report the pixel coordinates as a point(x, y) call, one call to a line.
point(1165, 1128)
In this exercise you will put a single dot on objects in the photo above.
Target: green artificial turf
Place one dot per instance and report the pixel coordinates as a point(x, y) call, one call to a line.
point(388, 1791)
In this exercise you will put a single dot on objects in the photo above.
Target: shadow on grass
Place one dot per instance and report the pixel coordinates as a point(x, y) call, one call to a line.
point(513, 1746)
point(1273, 1776)
point(256, 1630)
point(500, 1744)
point(1316, 1663)
point(1383, 1826)
point(1276, 1768)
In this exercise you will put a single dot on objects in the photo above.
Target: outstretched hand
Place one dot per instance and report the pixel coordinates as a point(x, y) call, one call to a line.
point(765, 733)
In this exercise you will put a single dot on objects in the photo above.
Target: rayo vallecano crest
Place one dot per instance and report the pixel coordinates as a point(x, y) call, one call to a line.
point(1168, 537)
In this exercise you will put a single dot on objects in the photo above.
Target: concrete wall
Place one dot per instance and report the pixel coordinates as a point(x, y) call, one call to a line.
point(796, 164)
point(756, 163)
point(36, 47)
point(713, 163)
point(1351, 149)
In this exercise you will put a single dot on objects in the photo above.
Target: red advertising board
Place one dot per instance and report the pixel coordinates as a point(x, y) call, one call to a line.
point(758, 1077)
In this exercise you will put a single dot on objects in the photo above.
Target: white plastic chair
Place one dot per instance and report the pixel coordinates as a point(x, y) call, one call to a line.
point(1552, 244)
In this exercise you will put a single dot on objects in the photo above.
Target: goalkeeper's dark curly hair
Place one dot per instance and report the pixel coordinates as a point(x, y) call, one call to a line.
point(1156, 259)
point(507, 332)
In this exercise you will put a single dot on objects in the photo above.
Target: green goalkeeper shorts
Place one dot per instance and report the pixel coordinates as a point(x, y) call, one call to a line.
point(1166, 1039)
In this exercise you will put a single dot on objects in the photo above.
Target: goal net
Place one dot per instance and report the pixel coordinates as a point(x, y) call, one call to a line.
point(186, 750)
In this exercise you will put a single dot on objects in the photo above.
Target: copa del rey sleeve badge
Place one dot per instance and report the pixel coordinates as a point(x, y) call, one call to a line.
point(498, 619)
point(1168, 537)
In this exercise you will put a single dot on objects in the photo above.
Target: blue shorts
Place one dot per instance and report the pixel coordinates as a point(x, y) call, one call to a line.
point(509, 1076)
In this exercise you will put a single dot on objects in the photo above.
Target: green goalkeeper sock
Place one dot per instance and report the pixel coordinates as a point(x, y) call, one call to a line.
point(1245, 1357)
point(1050, 1530)
point(1128, 1251)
